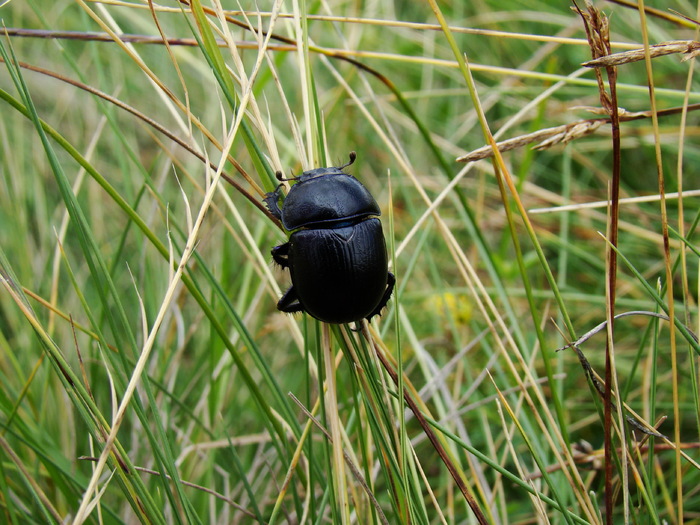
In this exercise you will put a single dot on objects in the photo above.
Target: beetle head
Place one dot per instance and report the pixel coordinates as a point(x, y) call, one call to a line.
point(326, 197)
point(311, 174)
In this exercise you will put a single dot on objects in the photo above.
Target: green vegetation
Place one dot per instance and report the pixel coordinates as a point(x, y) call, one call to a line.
point(145, 374)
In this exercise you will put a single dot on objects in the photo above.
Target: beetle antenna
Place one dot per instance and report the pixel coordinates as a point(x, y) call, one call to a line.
point(353, 156)
point(280, 177)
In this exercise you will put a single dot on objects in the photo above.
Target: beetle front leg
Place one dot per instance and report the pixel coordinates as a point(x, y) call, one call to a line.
point(289, 302)
point(272, 202)
point(280, 254)
point(390, 281)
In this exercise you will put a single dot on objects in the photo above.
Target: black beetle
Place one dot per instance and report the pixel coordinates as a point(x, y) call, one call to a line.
point(336, 252)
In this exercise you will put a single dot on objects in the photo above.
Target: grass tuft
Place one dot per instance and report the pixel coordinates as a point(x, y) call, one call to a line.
point(518, 374)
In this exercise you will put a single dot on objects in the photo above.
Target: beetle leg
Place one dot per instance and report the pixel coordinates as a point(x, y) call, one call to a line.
point(280, 254)
point(390, 281)
point(272, 201)
point(290, 302)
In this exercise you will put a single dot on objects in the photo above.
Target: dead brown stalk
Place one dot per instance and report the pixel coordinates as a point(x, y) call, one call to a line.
point(598, 33)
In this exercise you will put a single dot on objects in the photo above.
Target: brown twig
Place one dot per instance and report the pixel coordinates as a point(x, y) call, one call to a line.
point(598, 34)
point(131, 38)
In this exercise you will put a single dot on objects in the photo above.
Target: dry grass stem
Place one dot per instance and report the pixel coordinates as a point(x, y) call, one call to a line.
point(551, 136)
point(565, 133)
point(195, 486)
point(597, 27)
point(354, 470)
point(690, 48)
point(604, 204)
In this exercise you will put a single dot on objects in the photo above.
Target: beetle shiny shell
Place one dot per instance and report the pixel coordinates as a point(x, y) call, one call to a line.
point(336, 252)
point(327, 198)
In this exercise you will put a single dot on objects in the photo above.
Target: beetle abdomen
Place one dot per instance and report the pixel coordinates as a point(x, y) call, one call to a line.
point(339, 274)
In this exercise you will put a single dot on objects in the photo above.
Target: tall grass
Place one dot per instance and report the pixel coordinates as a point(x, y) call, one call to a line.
point(146, 375)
